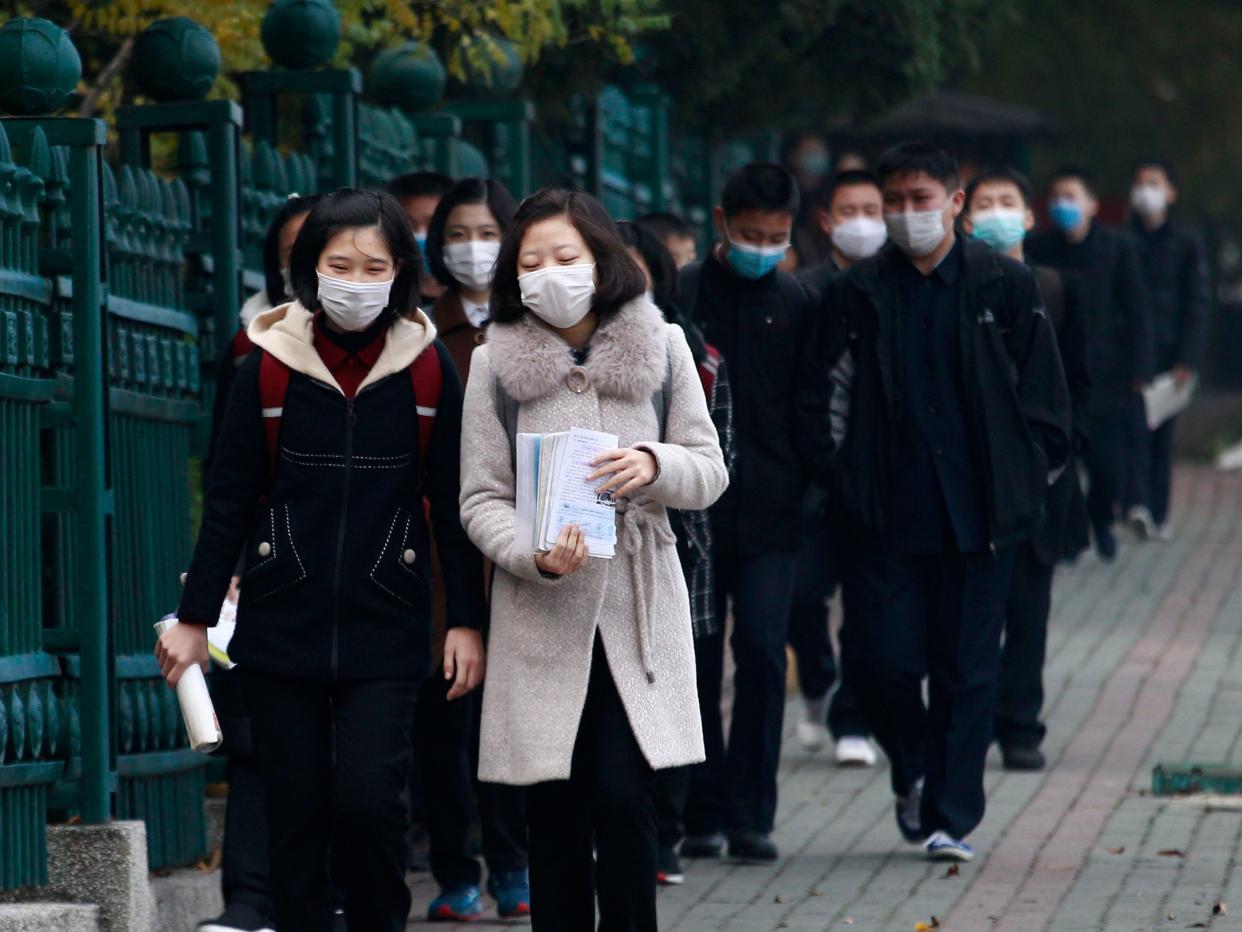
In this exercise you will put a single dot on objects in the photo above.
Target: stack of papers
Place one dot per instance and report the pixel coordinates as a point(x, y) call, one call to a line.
point(552, 491)
point(1162, 399)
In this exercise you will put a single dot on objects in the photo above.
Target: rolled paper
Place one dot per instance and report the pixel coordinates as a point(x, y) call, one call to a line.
point(201, 725)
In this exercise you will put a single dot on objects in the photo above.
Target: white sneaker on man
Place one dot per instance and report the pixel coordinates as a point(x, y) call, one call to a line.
point(853, 751)
point(1141, 522)
point(813, 736)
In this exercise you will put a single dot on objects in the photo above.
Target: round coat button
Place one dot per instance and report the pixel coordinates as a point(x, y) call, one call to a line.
point(408, 557)
point(578, 380)
point(265, 549)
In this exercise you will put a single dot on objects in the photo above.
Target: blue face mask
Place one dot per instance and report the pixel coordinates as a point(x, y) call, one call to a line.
point(1000, 228)
point(754, 262)
point(1065, 215)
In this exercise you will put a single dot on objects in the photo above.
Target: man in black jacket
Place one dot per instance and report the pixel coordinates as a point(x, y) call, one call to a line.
point(998, 212)
point(952, 415)
point(1119, 328)
point(1173, 267)
point(763, 323)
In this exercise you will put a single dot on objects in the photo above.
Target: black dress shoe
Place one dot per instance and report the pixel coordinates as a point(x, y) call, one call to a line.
point(752, 848)
point(708, 845)
point(1017, 758)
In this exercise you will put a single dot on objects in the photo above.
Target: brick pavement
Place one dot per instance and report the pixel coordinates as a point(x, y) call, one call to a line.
point(1142, 668)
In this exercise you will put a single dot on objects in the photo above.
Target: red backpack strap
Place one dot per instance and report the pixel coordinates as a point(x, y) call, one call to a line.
point(273, 386)
point(708, 369)
point(428, 381)
point(241, 346)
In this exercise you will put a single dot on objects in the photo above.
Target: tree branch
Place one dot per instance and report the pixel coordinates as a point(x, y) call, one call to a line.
point(109, 74)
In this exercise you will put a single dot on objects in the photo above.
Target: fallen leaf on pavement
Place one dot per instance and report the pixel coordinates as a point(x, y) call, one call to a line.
point(953, 871)
point(1171, 853)
point(1121, 850)
point(848, 920)
point(779, 899)
point(1220, 909)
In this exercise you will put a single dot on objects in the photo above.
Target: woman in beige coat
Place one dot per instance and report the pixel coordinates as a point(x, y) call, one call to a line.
point(591, 684)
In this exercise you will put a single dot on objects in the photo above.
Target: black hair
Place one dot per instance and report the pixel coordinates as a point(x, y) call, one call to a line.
point(1070, 172)
point(1003, 175)
point(618, 279)
point(761, 186)
point(467, 191)
point(419, 184)
point(665, 225)
point(909, 158)
point(350, 208)
point(273, 281)
point(847, 179)
point(1162, 164)
point(656, 257)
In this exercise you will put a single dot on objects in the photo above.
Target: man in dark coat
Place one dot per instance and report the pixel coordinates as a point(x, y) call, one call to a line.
point(998, 212)
point(952, 415)
point(1173, 266)
point(1119, 326)
point(764, 325)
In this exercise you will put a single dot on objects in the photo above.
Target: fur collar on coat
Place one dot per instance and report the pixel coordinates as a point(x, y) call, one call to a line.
point(628, 358)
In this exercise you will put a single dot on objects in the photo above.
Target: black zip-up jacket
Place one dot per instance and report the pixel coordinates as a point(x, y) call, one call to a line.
point(1118, 309)
point(766, 330)
point(1173, 267)
point(336, 546)
point(1019, 417)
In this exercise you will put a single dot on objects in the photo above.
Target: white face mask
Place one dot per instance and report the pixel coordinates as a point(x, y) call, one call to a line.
point(916, 232)
point(1148, 200)
point(859, 238)
point(559, 295)
point(352, 305)
point(472, 263)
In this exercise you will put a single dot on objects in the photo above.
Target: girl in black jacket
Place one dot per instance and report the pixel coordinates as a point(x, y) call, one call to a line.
point(321, 486)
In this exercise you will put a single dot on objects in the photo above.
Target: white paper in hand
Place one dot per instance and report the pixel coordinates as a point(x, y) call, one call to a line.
point(1162, 399)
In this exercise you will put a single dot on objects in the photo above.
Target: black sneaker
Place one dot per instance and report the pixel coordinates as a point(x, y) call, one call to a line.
point(752, 848)
point(237, 918)
point(1020, 758)
point(709, 845)
point(668, 868)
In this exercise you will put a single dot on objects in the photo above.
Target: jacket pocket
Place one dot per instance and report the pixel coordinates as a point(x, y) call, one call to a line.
point(395, 568)
point(274, 563)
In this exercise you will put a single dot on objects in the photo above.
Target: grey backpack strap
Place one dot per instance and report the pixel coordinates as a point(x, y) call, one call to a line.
point(507, 414)
point(659, 398)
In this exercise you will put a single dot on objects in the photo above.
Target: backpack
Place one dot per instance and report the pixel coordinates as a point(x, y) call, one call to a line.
point(426, 378)
point(507, 406)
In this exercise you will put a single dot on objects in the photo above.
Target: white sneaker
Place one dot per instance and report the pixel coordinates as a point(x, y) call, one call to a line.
point(1164, 533)
point(813, 736)
point(1141, 522)
point(855, 752)
point(944, 847)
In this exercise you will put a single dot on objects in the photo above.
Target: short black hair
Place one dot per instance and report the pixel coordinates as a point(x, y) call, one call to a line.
point(665, 225)
point(1076, 172)
point(273, 281)
point(618, 279)
point(1163, 164)
point(419, 184)
point(467, 191)
point(761, 186)
point(909, 158)
point(997, 175)
point(846, 179)
point(658, 259)
point(351, 208)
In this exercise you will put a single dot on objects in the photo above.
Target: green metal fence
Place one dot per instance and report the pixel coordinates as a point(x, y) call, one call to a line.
point(119, 289)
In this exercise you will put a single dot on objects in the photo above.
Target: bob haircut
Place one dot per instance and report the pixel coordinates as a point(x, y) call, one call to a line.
point(618, 279)
point(352, 209)
point(658, 259)
point(467, 191)
point(273, 281)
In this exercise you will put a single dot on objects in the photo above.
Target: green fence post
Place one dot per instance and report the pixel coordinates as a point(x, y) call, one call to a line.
point(506, 132)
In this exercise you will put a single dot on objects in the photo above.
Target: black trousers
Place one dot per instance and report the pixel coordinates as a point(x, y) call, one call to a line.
point(335, 757)
point(1021, 693)
point(672, 790)
point(735, 790)
point(938, 617)
point(244, 874)
point(607, 805)
point(1151, 466)
point(816, 583)
point(446, 739)
point(1111, 429)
